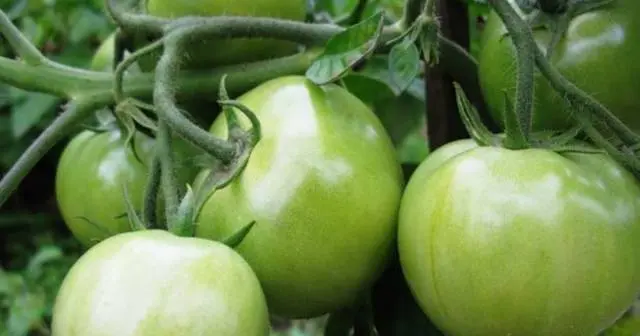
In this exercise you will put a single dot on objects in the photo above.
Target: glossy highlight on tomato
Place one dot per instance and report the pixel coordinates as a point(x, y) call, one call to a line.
point(152, 283)
point(598, 53)
point(527, 242)
point(217, 52)
point(323, 185)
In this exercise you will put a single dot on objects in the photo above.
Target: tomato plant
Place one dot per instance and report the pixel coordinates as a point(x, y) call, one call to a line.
point(498, 241)
point(155, 283)
point(323, 185)
point(221, 52)
point(597, 53)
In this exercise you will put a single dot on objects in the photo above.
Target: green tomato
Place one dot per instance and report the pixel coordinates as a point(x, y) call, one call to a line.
point(443, 154)
point(528, 242)
point(152, 283)
point(218, 52)
point(91, 175)
point(103, 57)
point(323, 185)
point(598, 53)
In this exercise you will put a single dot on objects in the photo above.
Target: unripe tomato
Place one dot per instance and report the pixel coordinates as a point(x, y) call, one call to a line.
point(528, 242)
point(152, 283)
point(103, 57)
point(222, 52)
point(323, 185)
point(598, 53)
point(92, 172)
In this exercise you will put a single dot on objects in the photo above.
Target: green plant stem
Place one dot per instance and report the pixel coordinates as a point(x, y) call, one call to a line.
point(169, 183)
point(164, 99)
point(20, 44)
point(151, 191)
point(61, 127)
point(518, 135)
point(311, 34)
point(580, 98)
point(68, 83)
point(122, 67)
point(429, 9)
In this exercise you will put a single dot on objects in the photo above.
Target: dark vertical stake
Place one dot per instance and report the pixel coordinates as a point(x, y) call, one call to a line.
point(443, 120)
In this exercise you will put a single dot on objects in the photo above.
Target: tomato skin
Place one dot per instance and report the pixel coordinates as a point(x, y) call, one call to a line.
point(152, 283)
point(530, 242)
point(323, 185)
point(443, 154)
point(224, 52)
point(598, 54)
point(90, 176)
point(103, 57)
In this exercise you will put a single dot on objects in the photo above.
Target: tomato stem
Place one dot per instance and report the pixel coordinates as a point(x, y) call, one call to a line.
point(150, 203)
point(582, 99)
point(519, 129)
point(311, 34)
point(170, 189)
point(20, 43)
point(167, 70)
point(75, 112)
point(126, 63)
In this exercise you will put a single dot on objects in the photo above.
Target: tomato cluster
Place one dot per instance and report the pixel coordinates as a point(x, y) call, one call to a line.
point(491, 241)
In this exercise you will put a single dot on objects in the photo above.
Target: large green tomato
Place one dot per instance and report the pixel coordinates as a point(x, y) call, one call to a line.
point(222, 52)
point(323, 186)
point(152, 283)
point(529, 242)
point(91, 174)
point(598, 53)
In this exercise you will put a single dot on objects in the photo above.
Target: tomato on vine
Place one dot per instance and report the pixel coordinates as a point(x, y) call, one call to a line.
point(517, 242)
point(92, 173)
point(323, 185)
point(152, 283)
point(597, 53)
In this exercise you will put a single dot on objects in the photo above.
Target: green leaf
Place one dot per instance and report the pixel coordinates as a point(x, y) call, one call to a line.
point(373, 82)
point(25, 312)
point(236, 238)
point(85, 23)
point(346, 49)
point(45, 254)
point(30, 111)
point(183, 222)
point(404, 64)
point(10, 283)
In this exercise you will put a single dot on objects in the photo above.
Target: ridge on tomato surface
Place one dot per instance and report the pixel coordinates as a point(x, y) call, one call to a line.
point(323, 185)
point(153, 283)
point(598, 53)
point(494, 241)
